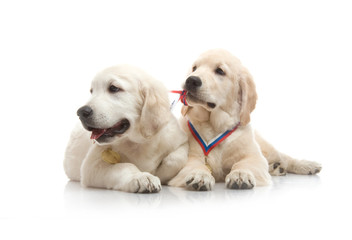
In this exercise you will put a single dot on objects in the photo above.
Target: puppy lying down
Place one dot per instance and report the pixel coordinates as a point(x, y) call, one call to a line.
point(222, 145)
point(128, 139)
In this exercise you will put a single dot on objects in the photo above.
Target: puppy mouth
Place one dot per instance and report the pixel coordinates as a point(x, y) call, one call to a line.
point(101, 135)
point(196, 99)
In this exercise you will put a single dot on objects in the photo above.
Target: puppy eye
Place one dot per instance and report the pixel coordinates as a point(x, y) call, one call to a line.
point(220, 71)
point(91, 90)
point(194, 68)
point(113, 89)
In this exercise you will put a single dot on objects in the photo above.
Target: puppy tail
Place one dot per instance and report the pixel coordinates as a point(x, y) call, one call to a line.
point(281, 163)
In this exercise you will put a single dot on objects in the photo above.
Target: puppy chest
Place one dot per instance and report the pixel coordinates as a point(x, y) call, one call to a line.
point(144, 159)
point(214, 162)
point(220, 161)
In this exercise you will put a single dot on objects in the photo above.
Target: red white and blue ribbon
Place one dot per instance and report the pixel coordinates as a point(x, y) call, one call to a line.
point(213, 143)
point(182, 97)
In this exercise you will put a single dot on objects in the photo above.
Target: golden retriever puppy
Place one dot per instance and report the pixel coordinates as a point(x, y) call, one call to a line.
point(128, 139)
point(221, 95)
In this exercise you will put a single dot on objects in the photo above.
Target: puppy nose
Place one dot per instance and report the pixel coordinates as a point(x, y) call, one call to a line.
point(85, 112)
point(193, 82)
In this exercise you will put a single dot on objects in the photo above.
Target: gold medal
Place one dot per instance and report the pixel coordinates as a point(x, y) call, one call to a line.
point(207, 165)
point(109, 156)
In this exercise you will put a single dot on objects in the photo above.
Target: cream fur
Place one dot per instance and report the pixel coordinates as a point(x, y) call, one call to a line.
point(152, 150)
point(239, 160)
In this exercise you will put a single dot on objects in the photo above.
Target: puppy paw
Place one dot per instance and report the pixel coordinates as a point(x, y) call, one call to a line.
point(240, 179)
point(305, 167)
point(144, 183)
point(200, 181)
point(276, 169)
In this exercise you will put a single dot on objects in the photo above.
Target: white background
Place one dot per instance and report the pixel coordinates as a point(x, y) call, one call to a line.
point(299, 53)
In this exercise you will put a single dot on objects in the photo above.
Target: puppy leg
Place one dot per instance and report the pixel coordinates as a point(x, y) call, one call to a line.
point(121, 176)
point(194, 176)
point(280, 163)
point(247, 173)
point(303, 167)
point(172, 164)
point(76, 150)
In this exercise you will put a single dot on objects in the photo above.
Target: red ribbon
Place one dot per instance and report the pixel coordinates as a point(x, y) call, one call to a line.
point(182, 96)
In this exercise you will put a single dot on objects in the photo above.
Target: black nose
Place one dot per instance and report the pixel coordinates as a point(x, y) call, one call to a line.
point(192, 83)
point(85, 112)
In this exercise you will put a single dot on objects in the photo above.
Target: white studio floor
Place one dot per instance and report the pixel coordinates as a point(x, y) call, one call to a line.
point(293, 207)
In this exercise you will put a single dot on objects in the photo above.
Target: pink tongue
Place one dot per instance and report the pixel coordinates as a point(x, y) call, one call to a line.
point(97, 133)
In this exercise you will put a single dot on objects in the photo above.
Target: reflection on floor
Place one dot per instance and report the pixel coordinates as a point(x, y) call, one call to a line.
point(79, 200)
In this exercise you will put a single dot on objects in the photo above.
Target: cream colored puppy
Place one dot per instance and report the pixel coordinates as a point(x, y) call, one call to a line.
point(223, 147)
point(128, 139)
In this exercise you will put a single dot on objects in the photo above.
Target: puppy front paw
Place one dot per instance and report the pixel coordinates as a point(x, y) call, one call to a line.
point(144, 183)
point(240, 179)
point(200, 181)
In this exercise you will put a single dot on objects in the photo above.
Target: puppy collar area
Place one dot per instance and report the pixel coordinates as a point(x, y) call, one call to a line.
point(182, 98)
point(213, 143)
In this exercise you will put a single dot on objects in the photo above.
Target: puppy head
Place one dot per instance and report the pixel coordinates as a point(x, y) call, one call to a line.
point(117, 107)
point(219, 83)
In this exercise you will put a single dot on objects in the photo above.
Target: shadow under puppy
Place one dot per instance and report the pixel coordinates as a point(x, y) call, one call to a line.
point(221, 95)
point(138, 144)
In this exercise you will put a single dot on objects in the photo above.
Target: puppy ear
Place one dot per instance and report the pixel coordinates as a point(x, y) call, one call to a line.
point(155, 111)
point(247, 96)
point(184, 110)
